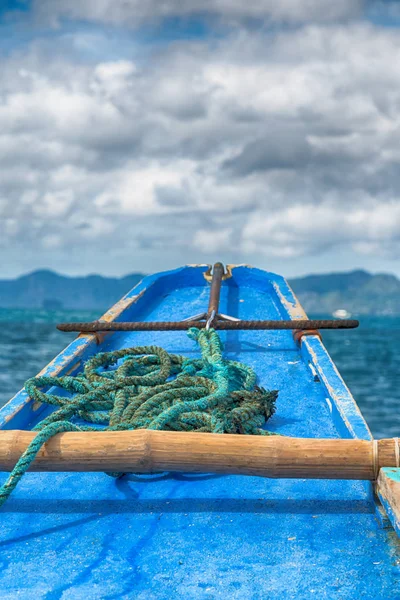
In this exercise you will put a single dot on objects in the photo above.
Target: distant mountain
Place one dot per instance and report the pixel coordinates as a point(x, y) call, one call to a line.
point(358, 292)
point(47, 289)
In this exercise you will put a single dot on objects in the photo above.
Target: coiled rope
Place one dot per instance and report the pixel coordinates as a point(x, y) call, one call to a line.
point(146, 387)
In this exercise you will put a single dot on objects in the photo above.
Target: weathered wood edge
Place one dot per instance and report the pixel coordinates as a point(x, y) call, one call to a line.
point(388, 490)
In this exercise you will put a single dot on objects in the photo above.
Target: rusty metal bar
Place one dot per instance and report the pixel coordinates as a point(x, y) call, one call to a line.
point(95, 326)
point(215, 292)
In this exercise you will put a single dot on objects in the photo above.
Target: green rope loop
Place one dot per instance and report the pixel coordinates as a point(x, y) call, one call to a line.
point(146, 387)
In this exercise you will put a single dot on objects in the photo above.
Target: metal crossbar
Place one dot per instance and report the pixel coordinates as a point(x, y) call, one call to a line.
point(211, 318)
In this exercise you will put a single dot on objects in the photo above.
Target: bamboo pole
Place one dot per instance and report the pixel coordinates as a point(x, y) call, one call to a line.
point(148, 451)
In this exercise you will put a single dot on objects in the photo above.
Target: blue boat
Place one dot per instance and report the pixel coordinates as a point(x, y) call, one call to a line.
point(180, 535)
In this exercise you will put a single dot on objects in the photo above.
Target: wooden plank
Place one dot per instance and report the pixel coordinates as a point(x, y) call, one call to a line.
point(149, 451)
point(388, 489)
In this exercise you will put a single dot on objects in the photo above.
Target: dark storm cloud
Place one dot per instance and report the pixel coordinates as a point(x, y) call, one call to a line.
point(133, 13)
point(279, 149)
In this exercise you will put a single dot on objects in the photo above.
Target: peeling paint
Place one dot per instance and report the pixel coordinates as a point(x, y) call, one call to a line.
point(113, 313)
point(336, 388)
point(289, 302)
point(388, 490)
point(392, 473)
point(197, 266)
point(231, 267)
point(60, 362)
point(120, 306)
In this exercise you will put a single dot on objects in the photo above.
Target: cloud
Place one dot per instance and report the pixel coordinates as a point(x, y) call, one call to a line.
point(212, 241)
point(136, 12)
point(274, 143)
point(290, 150)
point(306, 228)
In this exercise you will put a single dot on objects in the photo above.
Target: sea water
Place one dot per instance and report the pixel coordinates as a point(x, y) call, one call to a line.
point(368, 358)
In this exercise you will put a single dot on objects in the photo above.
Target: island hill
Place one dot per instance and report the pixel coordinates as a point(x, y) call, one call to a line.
point(52, 291)
point(358, 292)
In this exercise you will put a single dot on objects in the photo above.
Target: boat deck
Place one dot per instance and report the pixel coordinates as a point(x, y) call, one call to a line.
point(87, 535)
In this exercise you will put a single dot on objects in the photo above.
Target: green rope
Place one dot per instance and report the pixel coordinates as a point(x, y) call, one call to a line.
point(154, 390)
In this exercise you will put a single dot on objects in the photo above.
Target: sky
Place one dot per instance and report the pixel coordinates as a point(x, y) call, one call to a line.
point(143, 135)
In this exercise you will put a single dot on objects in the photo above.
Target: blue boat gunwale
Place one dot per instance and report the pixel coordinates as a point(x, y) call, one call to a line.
point(345, 412)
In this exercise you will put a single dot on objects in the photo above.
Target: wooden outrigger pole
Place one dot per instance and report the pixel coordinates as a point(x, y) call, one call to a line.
point(152, 451)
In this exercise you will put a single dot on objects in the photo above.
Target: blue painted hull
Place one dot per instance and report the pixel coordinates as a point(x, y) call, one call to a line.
point(85, 535)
